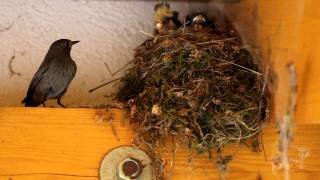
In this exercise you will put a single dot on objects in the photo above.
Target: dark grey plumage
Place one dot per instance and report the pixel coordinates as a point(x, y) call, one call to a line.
point(53, 76)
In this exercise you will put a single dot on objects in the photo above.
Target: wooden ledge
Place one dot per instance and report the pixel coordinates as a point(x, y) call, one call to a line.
point(52, 143)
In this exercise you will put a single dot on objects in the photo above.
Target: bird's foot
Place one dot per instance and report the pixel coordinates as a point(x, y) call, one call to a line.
point(62, 105)
point(59, 102)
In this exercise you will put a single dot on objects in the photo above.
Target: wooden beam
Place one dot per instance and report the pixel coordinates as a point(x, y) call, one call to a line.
point(48, 143)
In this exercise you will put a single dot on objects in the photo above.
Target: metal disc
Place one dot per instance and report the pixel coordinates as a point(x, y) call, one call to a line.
point(109, 169)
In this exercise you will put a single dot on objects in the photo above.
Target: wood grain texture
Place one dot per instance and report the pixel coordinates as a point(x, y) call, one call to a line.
point(282, 32)
point(289, 34)
point(45, 143)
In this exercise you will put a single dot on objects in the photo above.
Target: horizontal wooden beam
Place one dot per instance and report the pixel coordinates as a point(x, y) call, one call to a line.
point(53, 143)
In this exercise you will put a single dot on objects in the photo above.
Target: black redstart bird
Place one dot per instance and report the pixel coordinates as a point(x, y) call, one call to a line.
point(53, 76)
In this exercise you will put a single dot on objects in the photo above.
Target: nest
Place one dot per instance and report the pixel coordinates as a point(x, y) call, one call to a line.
point(197, 84)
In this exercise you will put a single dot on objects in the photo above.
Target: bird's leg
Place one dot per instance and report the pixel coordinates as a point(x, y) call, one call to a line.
point(43, 104)
point(59, 102)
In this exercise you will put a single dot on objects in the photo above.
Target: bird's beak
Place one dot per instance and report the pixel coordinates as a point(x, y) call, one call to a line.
point(74, 42)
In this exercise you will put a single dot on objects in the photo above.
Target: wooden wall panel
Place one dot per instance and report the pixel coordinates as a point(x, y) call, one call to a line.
point(282, 32)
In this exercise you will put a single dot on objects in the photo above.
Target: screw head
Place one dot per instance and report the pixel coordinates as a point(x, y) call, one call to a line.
point(130, 168)
point(126, 163)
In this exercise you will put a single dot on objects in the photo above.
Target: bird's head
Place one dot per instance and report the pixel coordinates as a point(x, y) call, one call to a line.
point(199, 19)
point(161, 5)
point(62, 46)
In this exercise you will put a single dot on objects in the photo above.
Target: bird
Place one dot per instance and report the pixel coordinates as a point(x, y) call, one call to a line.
point(198, 22)
point(53, 76)
point(165, 19)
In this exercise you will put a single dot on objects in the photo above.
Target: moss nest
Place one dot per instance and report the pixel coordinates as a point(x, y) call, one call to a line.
point(198, 84)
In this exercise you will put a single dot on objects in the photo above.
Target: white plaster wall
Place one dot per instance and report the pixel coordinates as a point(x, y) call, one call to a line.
point(108, 31)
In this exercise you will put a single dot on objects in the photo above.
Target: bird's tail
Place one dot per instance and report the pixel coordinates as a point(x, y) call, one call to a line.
point(29, 103)
point(24, 101)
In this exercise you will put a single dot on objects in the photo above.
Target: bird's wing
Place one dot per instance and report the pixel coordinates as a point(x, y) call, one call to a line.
point(69, 76)
point(38, 76)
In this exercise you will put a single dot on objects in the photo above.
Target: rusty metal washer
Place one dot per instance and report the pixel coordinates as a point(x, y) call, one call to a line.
point(112, 165)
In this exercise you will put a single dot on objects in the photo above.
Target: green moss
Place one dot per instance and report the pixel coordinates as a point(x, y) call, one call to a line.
point(206, 92)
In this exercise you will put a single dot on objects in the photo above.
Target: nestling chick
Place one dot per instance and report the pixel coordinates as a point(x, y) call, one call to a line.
point(53, 76)
point(198, 21)
point(165, 19)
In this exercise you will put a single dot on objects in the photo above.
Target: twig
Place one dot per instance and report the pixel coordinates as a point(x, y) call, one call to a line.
point(184, 25)
point(122, 68)
point(264, 88)
point(250, 70)
point(249, 109)
point(148, 34)
point(104, 84)
point(108, 68)
point(265, 81)
point(216, 41)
